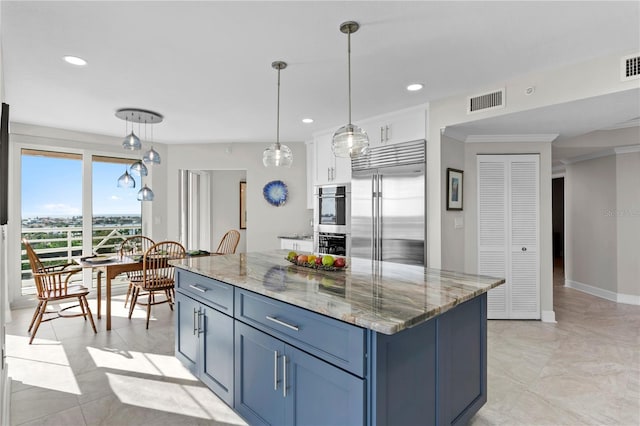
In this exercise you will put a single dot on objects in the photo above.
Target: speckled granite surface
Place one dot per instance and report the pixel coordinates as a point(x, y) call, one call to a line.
point(381, 296)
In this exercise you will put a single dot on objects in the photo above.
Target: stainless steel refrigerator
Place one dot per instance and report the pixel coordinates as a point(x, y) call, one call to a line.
point(388, 203)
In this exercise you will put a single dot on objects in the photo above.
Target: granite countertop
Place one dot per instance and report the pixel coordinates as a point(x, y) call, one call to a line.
point(296, 237)
point(381, 296)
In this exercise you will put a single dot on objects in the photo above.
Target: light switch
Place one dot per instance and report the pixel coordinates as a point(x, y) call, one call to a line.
point(458, 222)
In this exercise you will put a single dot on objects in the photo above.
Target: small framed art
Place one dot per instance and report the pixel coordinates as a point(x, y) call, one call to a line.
point(454, 189)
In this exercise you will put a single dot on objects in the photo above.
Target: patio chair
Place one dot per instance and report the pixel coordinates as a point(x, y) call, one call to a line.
point(52, 285)
point(229, 242)
point(158, 276)
point(136, 245)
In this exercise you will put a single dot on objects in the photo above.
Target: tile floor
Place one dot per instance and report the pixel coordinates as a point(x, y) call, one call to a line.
point(584, 370)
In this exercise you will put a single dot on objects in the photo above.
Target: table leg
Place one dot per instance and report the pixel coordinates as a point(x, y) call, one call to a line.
point(99, 284)
point(108, 284)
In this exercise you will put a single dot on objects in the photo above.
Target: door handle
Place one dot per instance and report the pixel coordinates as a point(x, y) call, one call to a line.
point(195, 328)
point(200, 314)
point(275, 370)
point(282, 323)
point(284, 376)
point(386, 133)
point(198, 288)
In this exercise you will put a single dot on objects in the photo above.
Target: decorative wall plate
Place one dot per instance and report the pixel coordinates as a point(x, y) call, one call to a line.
point(275, 192)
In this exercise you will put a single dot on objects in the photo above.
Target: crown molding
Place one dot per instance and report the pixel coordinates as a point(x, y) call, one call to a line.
point(627, 149)
point(542, 137)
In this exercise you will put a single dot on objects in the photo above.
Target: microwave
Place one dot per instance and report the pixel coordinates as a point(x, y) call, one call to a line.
point(332, 209)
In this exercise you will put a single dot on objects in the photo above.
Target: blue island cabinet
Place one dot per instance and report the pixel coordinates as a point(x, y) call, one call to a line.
point(204, 337)
point(278, 384)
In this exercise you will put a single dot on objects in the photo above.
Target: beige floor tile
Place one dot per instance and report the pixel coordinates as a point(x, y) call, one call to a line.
point(71, 417)
point(38, 402)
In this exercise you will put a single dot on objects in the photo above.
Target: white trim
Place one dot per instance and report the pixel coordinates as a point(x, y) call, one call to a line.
point(534, 137)
point(591, 156)
point(629, 299)
point(5, 403)
point(548, 316)
point(627, 149)
point(634, 122)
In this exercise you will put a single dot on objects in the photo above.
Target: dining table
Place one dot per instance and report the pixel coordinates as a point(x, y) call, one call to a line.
point(111, 267)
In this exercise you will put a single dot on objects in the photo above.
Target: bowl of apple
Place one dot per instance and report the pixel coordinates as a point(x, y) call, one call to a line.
point(324, 262)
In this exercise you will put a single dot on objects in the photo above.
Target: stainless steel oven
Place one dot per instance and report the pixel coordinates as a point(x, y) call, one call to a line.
point(332, 209)
point(332, 243)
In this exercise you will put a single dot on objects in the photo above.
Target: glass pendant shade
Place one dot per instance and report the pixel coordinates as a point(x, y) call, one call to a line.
point(145, 194)
point(277, 155)
point(139, 168)
point(349, 141)
point(151, 157)
point(132, 142)
point(126, 181)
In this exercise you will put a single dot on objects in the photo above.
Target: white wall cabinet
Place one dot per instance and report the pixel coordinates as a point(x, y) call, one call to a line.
point(398, 127)
point(296, 245)
point(329, 168)
point(508, 233)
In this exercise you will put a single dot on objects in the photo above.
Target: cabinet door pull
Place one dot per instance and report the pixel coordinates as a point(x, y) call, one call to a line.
point(386, 133)
point(381, 134)
point(198, 288)
point(195, 328)
point(200, 314)
point(275, 370)
point(284, 376)
point(282, 323)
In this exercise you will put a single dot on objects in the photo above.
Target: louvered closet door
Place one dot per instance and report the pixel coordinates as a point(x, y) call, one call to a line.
point(525, 291)
point(492, 230)
point(508, 223)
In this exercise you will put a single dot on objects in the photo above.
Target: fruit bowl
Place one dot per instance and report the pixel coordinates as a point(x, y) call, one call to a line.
point(319, 267)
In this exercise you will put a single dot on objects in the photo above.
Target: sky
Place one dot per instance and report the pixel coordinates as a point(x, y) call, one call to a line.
point(53, 187)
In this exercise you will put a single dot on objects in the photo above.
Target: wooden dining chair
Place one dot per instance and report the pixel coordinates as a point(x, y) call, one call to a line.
point(135, 245)
point(229, 242)
point(158, 276)
point(52, 285)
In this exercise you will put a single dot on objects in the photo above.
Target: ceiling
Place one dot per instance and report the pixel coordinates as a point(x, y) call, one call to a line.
point(206, 66)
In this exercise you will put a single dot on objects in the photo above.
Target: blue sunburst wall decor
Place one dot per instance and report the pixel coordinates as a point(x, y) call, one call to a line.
point(275, 192)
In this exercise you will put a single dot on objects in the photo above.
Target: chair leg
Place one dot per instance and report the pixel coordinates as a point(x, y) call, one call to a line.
point(126, 298)
point(43, 309)
point(149, 307)
point(35, 315)
point(169, 299)
point(84, 314)
point(88, 314)
point(134, 299)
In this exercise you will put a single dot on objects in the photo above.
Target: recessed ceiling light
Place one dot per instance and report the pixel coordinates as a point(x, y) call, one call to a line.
point(414, 87)
point(307, 120)
point(74, 60)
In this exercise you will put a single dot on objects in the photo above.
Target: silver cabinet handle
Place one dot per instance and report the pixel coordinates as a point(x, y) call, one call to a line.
point(275, 370)
point(282, 323)
point(381, 134)
point(386, 133)
point(198, 288)
point(284, 376)
point(200, 314)
point(195, 328)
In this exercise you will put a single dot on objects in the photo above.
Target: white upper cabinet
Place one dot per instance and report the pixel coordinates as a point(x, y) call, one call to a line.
point(397, 127)
point(329, 168)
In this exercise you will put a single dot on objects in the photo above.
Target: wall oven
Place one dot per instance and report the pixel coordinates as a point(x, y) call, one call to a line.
point(332, 243)
point(332, 209)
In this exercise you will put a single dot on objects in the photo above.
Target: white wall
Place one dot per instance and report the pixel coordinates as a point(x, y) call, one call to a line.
point(225, 206)
point(546, 222)
point(264, 222)
point(591, 223)
point(628, 222)
point(453, 244)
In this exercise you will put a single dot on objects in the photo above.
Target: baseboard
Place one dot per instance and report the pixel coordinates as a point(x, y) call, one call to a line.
point(548, 316)
point(629, 299)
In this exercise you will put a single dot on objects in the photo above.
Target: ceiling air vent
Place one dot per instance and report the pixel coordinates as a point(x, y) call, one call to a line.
point(486, 101)
point(630, 67)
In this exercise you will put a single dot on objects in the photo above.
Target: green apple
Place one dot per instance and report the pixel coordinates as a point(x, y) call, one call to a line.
point(327, 260)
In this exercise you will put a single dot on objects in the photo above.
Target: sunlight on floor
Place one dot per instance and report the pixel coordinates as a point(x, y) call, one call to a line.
point(45, 365)
point(194, 401)
point(139, 362)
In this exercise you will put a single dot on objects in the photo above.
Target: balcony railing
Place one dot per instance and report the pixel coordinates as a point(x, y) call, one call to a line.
point(59, 245)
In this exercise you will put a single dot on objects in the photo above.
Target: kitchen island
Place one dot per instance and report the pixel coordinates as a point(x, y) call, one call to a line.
point(377, 343)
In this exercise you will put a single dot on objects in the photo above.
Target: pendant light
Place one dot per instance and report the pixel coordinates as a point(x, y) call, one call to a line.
point(349, 140)
point(139, 168)
point(145, 194)
point(150, 157)
point(277, 155)
point(131, 142)
point(126, 181)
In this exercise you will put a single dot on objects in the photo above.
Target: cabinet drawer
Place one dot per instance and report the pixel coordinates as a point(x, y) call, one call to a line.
point(217, 294)
point(334, 341)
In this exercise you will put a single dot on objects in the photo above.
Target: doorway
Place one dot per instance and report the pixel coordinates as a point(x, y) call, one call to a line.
point(557, 207)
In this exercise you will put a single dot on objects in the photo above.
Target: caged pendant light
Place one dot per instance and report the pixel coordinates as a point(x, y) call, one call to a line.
point(349, 140)
point(277, 155)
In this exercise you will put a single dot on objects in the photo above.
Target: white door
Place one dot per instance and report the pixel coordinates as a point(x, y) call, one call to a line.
point(508, 233)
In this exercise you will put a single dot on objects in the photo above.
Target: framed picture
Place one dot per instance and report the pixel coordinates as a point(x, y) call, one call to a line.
point(243, 205)
point(454, 189)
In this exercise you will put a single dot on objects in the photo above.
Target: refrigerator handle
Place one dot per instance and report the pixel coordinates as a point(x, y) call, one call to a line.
point(379, 219)
point(373, 216)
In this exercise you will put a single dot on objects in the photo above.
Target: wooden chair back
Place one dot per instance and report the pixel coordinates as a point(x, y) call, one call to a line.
point(136, 245)
point(51, 281)
point(157, 273)
point(229, 242)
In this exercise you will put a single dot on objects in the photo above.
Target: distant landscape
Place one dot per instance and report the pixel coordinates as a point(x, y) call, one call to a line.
point(75, 221)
